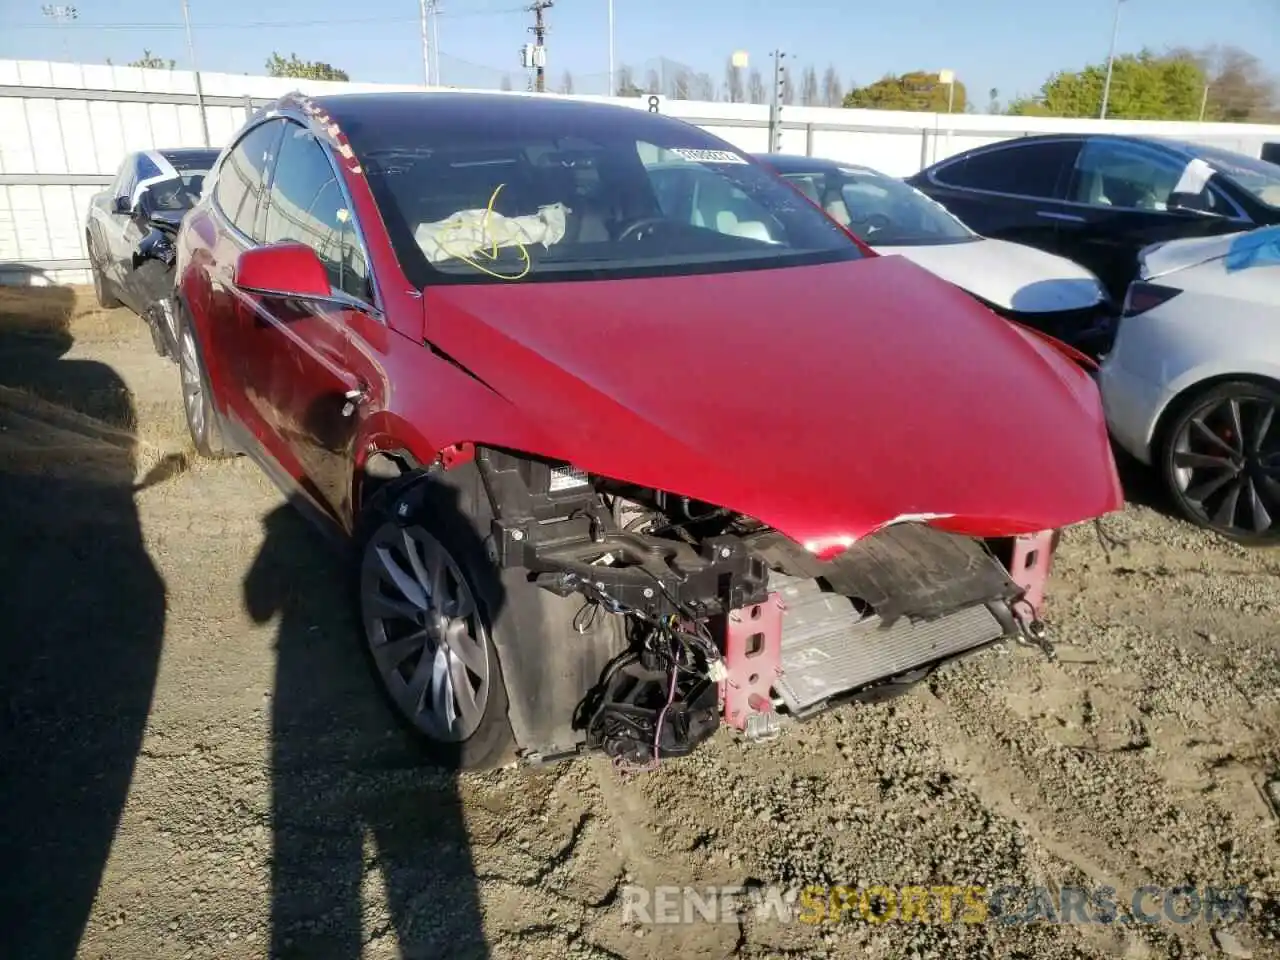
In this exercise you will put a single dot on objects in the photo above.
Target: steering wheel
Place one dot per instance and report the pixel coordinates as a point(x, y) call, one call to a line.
point(634, 228)
point(877, 221)
point(170, 197)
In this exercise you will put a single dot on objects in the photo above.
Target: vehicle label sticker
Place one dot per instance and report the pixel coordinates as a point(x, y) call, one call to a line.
point(1194, 177)
point(707, 156)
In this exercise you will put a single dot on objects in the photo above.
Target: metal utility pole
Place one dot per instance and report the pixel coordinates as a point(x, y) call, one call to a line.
point(612, 90)
point(435, 37)
point(61, 14)
point(779, 96)
point(195, 67)
point(1204, 102)
point(539, 31)
point(426, 42)
point(1111, 61)
point(430, 40)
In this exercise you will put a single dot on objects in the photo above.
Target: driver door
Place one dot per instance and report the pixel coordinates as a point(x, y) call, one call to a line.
point(114, 233)
point(315, 379)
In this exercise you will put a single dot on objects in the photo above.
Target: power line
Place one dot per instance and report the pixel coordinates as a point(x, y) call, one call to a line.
point(258, 24)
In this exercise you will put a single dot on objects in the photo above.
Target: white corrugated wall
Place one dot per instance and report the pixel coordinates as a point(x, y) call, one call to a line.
point(57, 150)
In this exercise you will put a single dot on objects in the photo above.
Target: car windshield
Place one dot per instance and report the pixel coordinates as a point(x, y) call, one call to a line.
point(179, 186)
point(581, 196)
point(881, 210)
point(1258, 177)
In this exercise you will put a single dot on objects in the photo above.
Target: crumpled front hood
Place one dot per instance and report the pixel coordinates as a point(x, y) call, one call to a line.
point(1009, 275)
point(825, 401)
point(1237, 251)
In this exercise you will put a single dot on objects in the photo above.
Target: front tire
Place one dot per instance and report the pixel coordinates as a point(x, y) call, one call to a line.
point(1220, 460)
point(424, 584)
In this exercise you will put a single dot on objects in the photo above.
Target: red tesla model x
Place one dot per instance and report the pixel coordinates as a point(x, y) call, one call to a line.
point(630, 440)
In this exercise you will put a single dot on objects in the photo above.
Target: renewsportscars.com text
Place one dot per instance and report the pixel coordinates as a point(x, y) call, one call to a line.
point(819, 904)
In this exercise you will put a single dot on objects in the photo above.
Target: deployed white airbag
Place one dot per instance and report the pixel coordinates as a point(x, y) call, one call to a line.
point(469, 232)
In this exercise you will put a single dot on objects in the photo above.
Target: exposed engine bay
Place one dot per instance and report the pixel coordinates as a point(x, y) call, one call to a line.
point(726, 621)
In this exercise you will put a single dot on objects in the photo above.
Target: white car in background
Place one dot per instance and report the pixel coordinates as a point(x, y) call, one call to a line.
point(1192, 383)
point(1035, 288)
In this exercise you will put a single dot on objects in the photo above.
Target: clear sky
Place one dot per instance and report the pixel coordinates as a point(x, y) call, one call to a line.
point(1011, 45)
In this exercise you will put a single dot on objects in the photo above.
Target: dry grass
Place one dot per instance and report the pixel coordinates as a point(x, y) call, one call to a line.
point(57, 310)
point(38, 326)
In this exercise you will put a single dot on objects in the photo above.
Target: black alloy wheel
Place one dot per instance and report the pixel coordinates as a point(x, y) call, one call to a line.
point(1221, 461)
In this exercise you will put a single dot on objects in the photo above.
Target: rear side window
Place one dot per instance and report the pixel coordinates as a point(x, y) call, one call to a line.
point(810, 184)
point(240, 180)
point(1037, 170)
point(306, 205)
point(1117, 174)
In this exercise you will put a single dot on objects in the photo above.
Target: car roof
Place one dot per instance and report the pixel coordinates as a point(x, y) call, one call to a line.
point(478, 112)
point(183, 153)
point(796, 163)
point(1179, 147)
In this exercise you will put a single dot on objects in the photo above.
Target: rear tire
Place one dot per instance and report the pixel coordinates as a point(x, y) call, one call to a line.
point(203, 421)
point(102, 288)
point(424, 586)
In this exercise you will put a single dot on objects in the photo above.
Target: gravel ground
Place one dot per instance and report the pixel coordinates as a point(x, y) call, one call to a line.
point(196, 764)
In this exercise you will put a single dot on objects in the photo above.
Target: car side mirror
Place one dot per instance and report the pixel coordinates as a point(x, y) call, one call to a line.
point(121, 205)
point(1188, 203)
point(283, 270)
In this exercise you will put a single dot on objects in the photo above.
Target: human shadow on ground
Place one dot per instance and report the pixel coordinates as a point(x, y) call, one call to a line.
point(83, 619)
point(353, 807)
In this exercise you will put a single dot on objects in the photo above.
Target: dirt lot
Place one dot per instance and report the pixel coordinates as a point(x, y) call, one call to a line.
point(194, 762)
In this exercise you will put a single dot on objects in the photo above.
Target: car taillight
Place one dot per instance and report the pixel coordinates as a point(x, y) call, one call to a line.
point(1144, 296)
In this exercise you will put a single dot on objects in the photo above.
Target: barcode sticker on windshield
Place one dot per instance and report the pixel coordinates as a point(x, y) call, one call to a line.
point(707, 156)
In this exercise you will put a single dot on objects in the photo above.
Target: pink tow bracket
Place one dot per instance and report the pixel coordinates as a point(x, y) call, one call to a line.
point(1029, 568)
point(753, 662)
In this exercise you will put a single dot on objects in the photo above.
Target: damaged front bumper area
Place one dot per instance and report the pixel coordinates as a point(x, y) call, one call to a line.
point(728, 621)
point(1091, 330)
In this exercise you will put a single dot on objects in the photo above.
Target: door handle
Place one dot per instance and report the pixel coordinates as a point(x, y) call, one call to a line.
point(357, 396)
point(1054, 215)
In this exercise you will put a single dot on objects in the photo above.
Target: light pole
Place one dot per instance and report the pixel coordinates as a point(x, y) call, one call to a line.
point(61, 14)
point(430, 40)
point(1111, 60)
point(426, 43)
point(949, 78)
point(191, 53)
point(612, 91)
point(435, 36)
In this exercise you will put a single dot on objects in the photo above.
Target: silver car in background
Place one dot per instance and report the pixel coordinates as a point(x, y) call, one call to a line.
point(1191, 385)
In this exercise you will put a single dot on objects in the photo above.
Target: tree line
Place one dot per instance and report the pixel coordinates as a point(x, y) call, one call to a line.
point(277, 66)
point(1217, 83)
point(1214, 83)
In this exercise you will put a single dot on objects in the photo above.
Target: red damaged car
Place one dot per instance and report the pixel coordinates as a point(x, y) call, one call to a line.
point(624, 455)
